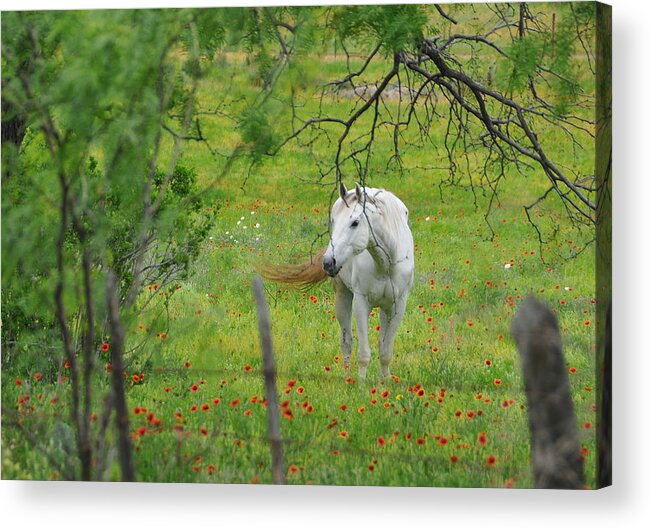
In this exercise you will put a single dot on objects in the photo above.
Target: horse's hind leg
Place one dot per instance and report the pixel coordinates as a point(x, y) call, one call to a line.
point(343, 310)
point(389, 322)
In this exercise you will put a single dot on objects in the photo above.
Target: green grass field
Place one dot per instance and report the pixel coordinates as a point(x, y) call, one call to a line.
point(456, 368)
point(454, 412)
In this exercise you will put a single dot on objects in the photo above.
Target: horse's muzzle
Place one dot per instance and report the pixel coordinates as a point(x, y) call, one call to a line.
point(330, 266)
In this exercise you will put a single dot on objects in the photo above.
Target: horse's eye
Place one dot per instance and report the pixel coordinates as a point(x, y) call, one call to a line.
point(355, 223)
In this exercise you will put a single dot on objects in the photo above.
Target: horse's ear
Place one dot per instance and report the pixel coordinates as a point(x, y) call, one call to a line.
point(342, 191)
point(358, 192)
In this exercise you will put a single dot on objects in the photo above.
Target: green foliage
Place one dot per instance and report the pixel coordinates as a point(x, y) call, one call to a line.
point(524, 56)
point(96, 124)
point(396, 27)
point(566, 86)
point(257, 133)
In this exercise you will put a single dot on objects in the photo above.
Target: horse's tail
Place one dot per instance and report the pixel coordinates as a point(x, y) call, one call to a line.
point(300, 276)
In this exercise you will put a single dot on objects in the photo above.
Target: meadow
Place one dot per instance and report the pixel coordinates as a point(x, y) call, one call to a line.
point(453, 414)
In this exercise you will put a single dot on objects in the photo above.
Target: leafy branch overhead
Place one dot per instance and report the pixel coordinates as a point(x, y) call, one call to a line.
point(507, 83)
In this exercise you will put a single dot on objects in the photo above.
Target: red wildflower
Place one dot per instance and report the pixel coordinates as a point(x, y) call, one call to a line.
point(491, 460)
point(234, 403)
point(572, 370)
point(38, 376)
point(343, 434)
point(381, 441)
point(19, 382)
point(193, 408)
point(482, 439)
point(194, 388)
point(443, 441)
point(293, 469)
point(343, 407)
point(385, 394)
point(247, 367)
point(497, 382)
point(203, 430)
point(141, 430)
point(205, 407)
point(454, 458)
point(105, 347)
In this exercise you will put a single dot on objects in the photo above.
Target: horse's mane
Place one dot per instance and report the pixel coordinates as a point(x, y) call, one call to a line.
point(394, 212)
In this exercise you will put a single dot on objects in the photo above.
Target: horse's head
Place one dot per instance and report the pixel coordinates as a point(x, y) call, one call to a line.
point(350, 230)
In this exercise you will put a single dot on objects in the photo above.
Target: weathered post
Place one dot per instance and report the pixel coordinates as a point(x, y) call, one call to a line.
point(555, 456)
point(269, 372)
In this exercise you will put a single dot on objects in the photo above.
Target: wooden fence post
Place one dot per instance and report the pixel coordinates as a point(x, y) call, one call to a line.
point(269, 371)
point(555, 456)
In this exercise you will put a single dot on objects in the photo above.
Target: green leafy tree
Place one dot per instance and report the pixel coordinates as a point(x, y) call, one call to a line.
point(95, 201)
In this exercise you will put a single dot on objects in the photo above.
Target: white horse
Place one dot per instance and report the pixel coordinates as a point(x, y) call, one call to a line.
point(370, 257)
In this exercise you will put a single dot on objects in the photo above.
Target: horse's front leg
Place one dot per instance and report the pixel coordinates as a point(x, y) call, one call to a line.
point(362, 310)
point(344, 312)
point(389, 321)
